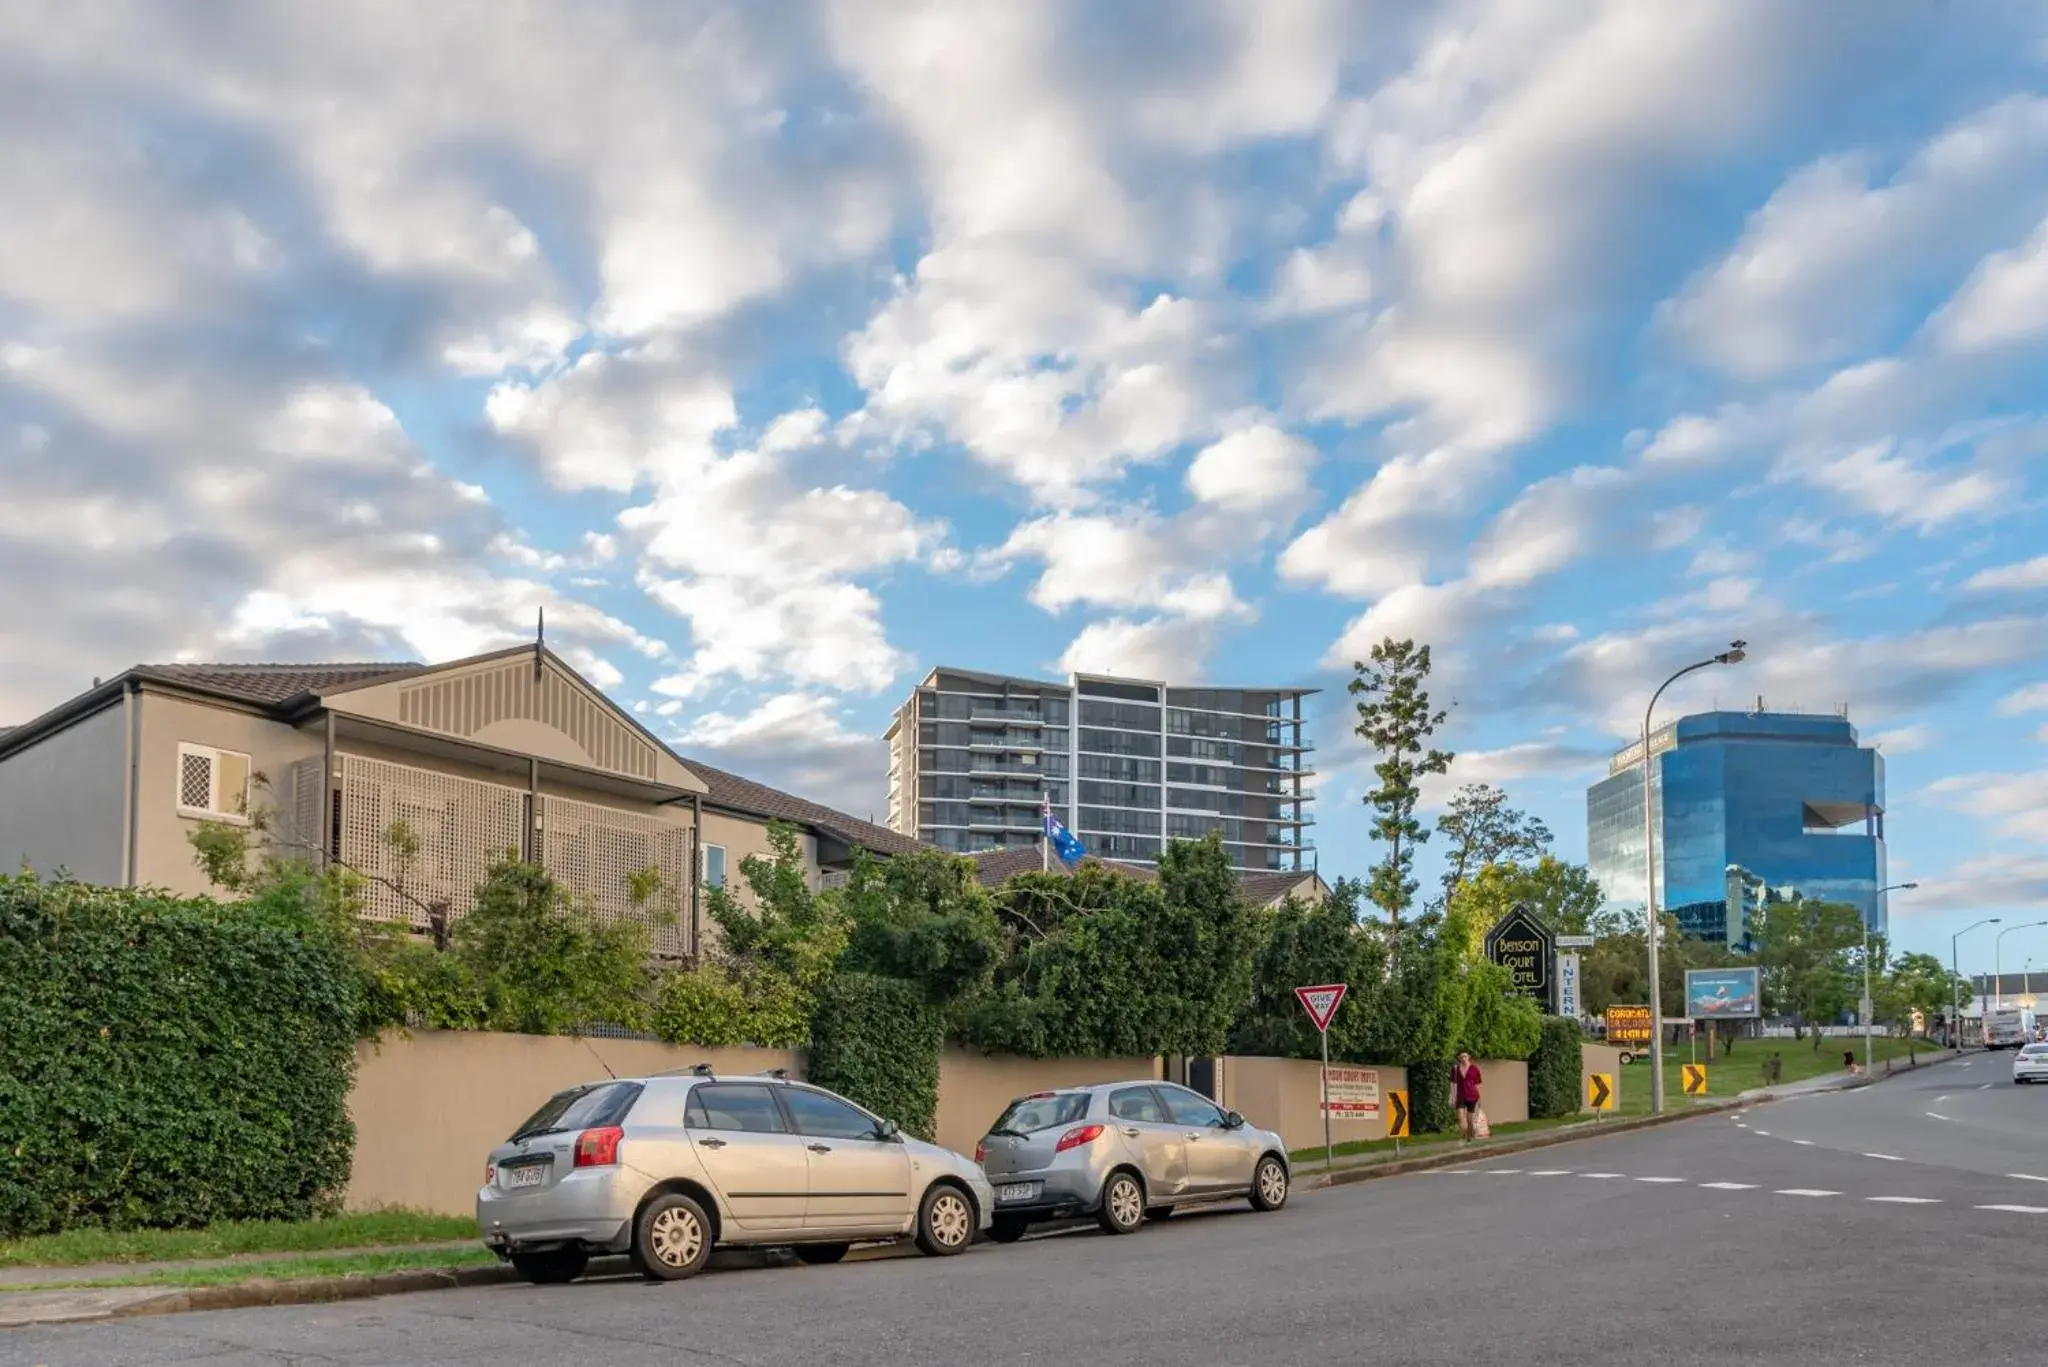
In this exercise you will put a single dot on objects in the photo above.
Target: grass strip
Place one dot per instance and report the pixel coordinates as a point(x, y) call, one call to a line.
point(371, 1229)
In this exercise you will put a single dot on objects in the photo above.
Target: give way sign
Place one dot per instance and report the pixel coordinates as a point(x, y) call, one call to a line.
point(1321, 1003)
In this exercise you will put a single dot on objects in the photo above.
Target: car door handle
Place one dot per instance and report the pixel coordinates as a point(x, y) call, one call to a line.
point(819, 1148)
point(1131, 1131)
point(711, 1143)
point(1194, 1138)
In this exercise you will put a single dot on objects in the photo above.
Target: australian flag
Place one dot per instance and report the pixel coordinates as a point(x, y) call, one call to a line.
point(1064, 842)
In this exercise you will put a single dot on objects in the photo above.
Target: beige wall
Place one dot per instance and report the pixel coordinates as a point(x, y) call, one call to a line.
point(62, 801)
point(1285, 1095)
point(974, 1088)
point(163, 855)
point(1600, 1058)
point(1503, 1090)
point(430, 1106)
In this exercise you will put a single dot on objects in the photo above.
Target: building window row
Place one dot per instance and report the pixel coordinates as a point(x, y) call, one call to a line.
point(1119, 768)
point(1120, 794)
point(1120, 743)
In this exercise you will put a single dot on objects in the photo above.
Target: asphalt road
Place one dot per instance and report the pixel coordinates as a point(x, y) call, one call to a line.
point(1716, 1241)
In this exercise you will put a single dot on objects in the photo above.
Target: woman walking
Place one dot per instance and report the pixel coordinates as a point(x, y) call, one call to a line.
point(1466, 1076)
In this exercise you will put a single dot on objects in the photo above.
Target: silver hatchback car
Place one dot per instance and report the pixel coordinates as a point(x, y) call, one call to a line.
point(1121, 1152)
point(665, 1168)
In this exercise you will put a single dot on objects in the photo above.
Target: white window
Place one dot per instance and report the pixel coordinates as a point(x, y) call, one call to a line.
point(213, 783)
point(714, 866)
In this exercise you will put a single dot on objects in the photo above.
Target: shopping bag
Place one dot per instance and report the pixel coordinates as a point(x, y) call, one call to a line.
point(1480, 1128)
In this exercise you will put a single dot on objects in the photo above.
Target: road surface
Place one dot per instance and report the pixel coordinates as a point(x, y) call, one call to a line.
point(1896, 1224)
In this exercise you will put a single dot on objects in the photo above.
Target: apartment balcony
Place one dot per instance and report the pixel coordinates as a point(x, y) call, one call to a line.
point(997, 716)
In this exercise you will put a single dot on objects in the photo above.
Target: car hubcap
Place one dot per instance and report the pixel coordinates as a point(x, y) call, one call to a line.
point(1273, 1184)
point(1124, 1202)
point(950, 1220)
point(677, 1237)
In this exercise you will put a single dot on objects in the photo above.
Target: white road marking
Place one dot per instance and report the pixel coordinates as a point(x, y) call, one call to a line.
point(1740, 1126)
point(1503, 1172)
point(1729, 1186)
point(1804, 1191)
point(1887, 1157)
point(1601, 1175)
point(2019, 1210)
point(1660, 1179)
point(1765, 1133)
point(1906, 1200)
point(1804, 1143)
point(1936, 1115)
point(2026, 1177)
point(1943, 1097)
point(1552, 1172)
point(1983, 1086)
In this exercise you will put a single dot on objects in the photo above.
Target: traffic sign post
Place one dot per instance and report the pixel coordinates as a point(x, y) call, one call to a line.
point(1397, 1117)
point(1695, 1076)
point(1599, 1092)
point(1321, 1003)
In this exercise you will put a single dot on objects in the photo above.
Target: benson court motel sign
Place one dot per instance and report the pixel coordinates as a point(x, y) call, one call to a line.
point(1526, 948)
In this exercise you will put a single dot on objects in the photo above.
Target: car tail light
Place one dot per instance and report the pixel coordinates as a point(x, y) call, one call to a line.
point(598, 1148)
point(981, 1153)
point(1076, 1137)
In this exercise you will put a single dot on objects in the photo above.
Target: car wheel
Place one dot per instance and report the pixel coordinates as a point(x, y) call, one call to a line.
point(1269, 1184)
point(1008, 1229)
point(552, 1268)
point(819, 1255)
point(945, 1222)
point(1123, 1204)
point(672, 1238)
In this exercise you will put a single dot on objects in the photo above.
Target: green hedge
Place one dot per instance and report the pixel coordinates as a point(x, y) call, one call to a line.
point(1429, 1097)
point(1555, 1069)
point(875, 1041)
point(167, 1062)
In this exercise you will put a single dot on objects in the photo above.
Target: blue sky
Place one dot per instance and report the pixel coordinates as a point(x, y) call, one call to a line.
point(784, 352)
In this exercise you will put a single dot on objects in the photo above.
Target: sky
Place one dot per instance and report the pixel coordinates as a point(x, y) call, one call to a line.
point(782, 352)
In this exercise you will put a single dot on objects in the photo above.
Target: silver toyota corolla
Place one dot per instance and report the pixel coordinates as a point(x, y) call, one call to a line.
point(664, 1168)
point(1121, 1152)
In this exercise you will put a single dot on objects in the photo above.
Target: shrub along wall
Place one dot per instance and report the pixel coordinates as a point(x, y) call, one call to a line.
point(1554, 1069)
point(876, 1042)
point(167, 1062)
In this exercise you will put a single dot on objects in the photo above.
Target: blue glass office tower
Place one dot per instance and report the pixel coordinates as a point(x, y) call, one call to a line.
point(1746, 807)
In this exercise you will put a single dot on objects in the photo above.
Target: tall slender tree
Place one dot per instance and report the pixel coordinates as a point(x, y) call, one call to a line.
point(1483, 830)
point(1394, 717)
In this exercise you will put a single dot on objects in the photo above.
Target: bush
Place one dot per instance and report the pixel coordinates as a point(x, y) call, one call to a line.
point(875, 1041)
point(1429, 1097)
point(167, 1062)
point(1499, 1022)
point(1555, 1069)
point(719, 1007)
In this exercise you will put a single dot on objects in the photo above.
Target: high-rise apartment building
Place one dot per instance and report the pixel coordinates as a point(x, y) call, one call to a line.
point(1126, 763)
point(1747, 808)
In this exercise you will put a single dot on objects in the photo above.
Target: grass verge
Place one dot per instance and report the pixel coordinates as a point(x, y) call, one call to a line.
point(1420, 1144)
point(1731, 1074)
point(278, 1269)
point(373, 1229)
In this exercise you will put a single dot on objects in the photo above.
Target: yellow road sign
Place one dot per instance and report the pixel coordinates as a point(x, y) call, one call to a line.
point(1397, 1115)
point(1695, 1079)
point(1599, 1091)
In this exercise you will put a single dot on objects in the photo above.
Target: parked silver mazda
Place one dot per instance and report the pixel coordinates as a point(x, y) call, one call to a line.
point(665, 1168)
point(1121, 1152)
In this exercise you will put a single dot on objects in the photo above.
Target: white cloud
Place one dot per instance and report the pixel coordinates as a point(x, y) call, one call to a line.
point(2005, 301)
point(1831, 260)
point(2032, 698)
point(1977, 883)
point(1132, 560)
point(2016, 803)
point(1901, 490)
point(798, 742)
point(614, 422)
point(1253, 469)
point(1906, 740)
point(2027, 574)
point(1173, 649)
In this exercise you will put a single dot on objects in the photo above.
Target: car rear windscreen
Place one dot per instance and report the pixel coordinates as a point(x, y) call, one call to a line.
point(1030, 1114)
point(579, 1108)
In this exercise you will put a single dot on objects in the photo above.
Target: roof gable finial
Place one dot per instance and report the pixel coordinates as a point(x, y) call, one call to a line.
point(540, 639)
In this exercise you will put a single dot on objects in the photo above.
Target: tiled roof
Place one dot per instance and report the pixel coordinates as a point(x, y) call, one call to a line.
point(758, 799)
point(270, 684)
point(1262, 886)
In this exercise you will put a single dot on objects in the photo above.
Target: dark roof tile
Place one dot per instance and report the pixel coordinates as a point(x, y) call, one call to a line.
point(758, 799)
point(270, 684)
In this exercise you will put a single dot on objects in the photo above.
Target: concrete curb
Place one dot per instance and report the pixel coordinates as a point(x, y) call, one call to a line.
point(87, 1304)
point(1451, 1158)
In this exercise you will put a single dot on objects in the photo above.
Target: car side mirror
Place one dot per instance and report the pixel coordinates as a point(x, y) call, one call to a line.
point(888, 1131)
point(1232, 1120)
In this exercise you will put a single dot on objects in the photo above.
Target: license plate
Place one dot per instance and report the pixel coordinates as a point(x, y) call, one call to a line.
point(529, 1176)
point(1016, 1191)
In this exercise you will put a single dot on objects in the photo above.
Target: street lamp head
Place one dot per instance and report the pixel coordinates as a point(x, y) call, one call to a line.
point(1908, 887)
point(1734, 655)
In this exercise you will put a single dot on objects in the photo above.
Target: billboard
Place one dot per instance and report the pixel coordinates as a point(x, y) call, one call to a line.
point(1722, 994)
point(1628, 1025)
point(1352, 1092)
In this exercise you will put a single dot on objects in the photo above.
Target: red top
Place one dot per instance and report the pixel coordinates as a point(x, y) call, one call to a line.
point(1468, 1082)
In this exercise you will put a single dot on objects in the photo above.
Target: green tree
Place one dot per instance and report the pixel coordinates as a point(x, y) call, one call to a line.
point(1303, 945)
point(1917, 985)
point(1563, 896)
point(543, 962)
point(1395, 719)
point(925, 918)
point(1481, 830)
point(1807, 951)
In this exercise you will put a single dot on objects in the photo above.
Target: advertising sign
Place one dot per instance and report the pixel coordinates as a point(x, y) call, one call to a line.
point(1524, 946)
point(1351, 1093)
point(1721, 993)
point(1628, 1025)
point(1568, 985)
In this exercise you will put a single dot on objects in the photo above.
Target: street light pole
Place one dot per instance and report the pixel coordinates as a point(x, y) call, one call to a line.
point(1869, 1064)
point(1955, 973)
point(1732, 655)
point(1998, 958)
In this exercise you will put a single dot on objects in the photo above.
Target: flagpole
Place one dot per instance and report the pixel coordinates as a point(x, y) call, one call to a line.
point(1045, 836)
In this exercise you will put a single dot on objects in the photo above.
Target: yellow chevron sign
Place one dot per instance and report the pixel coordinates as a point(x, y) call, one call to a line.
point(1599, 1091)
point(1695, 1079)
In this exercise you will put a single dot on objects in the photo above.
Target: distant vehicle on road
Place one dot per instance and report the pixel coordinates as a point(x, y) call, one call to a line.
point(2030, 1064)
point(2008, 1027)
point(665, 1168)
point(1123, 1152)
